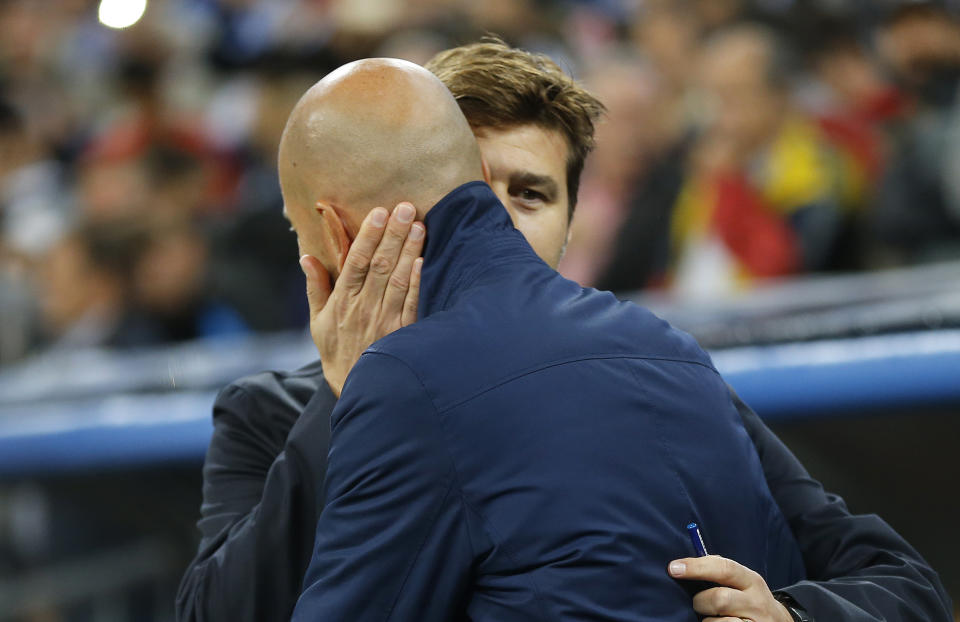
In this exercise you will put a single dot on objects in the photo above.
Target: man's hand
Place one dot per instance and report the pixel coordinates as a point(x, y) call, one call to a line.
point(377, 292)
point(744, 594)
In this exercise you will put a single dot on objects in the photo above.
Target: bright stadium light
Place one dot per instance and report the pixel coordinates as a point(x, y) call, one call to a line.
point(121, 13)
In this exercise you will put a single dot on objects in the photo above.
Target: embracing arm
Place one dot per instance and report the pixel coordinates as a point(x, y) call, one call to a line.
point(859, 568)
point(258, 514)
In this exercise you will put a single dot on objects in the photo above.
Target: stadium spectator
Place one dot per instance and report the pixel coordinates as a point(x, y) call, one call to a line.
point(171, 288)
point(33, 216)
point(766, 193)
point(862, 103)
point(627, 140)
point(85, 289)
point(33, 200)
point(916, 217)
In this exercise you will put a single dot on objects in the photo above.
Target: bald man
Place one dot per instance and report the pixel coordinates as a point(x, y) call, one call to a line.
point(483, 462)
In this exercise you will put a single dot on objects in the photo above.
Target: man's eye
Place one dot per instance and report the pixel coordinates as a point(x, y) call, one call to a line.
point(531, 195)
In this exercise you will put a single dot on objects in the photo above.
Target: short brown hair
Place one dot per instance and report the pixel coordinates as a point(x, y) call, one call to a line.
point(501, 87)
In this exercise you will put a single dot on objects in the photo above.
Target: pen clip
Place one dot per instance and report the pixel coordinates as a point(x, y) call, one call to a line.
point(696, 538)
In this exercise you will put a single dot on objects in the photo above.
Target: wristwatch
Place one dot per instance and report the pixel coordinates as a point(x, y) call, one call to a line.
point(798, 613)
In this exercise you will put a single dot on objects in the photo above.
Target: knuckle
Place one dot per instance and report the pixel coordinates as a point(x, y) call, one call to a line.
point(358, 262)
point(380, 265)
point(397, 229)
point(393, 238)
point(399, 281)
point(721, 600)
point(728, 568)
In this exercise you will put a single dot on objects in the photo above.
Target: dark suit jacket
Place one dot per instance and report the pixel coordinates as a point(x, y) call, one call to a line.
point(263, 480)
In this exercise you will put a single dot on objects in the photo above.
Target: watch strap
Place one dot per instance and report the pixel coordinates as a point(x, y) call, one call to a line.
point(796, 611)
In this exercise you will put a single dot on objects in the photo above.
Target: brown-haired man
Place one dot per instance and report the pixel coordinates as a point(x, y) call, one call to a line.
point(535, 127)
point(265, 468)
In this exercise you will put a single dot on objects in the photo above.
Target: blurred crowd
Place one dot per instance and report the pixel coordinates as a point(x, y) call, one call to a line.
point(744, 140)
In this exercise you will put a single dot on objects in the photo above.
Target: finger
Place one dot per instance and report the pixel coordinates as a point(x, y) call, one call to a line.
point(399, 283)
point(727, 619)
point(721, 601)
point(388, 251)
point(357, 263)
point(713, 568)
point(410, 305)
point(318, 284)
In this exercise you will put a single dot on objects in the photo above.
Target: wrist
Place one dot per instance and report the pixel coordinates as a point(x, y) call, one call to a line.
point(795, 611)
point(783, 614)
point(335, 388)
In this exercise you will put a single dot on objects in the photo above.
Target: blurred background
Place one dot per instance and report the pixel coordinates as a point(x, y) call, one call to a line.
point(145, 262)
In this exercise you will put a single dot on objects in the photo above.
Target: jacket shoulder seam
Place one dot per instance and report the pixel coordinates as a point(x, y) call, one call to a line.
point(567, 361)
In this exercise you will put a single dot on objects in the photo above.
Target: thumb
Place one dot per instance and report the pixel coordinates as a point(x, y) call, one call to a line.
point(318, 284)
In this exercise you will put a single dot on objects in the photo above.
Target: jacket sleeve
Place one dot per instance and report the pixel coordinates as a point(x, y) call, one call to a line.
point(859, 569)
point(391, 541)
point(258, 514)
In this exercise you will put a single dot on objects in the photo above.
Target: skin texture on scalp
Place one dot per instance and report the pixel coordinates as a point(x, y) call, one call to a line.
point(372, 133)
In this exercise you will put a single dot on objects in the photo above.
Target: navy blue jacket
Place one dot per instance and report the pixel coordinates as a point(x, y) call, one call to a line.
point(265, 467)
point(530, 450)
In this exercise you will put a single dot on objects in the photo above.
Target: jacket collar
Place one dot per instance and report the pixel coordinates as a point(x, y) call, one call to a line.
point(469, 232)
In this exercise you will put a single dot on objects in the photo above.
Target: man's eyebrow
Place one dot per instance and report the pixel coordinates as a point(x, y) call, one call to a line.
point(526, 178)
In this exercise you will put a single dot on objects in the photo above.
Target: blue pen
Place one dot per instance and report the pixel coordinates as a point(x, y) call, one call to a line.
point(697, 540)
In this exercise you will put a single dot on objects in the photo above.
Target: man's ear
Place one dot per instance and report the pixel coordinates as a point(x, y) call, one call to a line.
point(486, 169)
point(336, 233)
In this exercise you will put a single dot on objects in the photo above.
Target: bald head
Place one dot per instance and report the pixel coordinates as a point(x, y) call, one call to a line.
point(373, 133)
